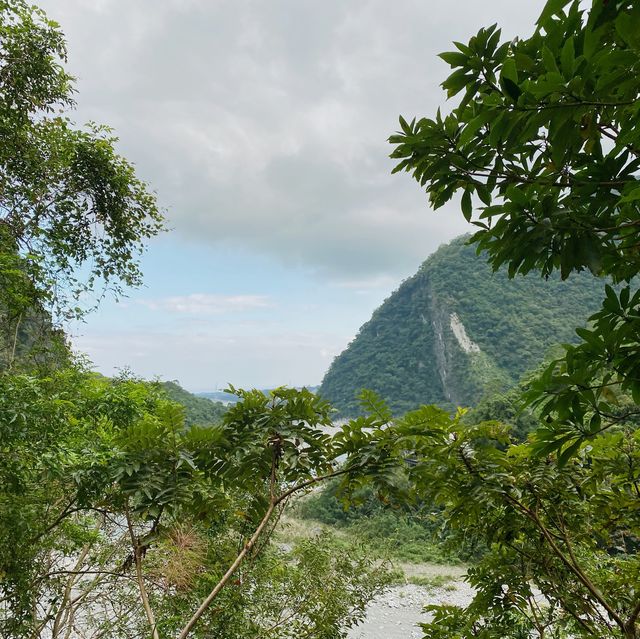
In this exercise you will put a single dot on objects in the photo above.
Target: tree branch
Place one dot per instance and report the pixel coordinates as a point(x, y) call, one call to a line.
point(273, 503)
point(630, 625)
point(66, 511)
point(143, 591)
point(227, 575)
point(67, 604)
point(571, 564)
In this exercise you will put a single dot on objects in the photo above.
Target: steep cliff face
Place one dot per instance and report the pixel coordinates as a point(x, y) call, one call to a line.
point(455, 330)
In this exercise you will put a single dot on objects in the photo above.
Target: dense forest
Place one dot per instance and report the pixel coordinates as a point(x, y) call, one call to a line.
point(408, 351)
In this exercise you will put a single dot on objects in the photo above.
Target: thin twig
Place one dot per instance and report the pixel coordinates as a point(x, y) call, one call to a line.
point(15, 343)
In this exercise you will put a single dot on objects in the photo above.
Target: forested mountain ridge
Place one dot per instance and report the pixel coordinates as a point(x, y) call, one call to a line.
point(198, 410)
point(456, 330)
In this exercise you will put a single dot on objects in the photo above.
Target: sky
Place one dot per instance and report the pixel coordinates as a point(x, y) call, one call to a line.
point(262, 127)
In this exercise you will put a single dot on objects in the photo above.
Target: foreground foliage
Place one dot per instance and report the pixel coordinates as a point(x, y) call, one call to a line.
point(561, 540)
point(116, 518)
point(545, 143)
point(558, 541)
point(543, 149)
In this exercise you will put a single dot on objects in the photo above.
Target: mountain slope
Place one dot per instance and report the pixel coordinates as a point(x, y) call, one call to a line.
point(456, 330)
point(198, 410)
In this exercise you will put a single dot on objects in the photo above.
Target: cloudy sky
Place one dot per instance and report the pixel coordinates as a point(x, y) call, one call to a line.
point(262, 126)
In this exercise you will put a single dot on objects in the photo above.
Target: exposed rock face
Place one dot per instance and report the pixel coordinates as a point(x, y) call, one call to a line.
point(456, 330)
point(439, 345)
point(461, 335)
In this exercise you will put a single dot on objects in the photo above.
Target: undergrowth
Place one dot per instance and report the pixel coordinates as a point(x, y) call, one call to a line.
point(400, 534)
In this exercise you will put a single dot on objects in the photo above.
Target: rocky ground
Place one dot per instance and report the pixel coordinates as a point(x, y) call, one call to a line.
point(397, 613)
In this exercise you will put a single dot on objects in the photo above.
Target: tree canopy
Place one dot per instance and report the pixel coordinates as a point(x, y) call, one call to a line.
point(107, 502)
point(543, 148)
point(561, 540)
point(73, 214)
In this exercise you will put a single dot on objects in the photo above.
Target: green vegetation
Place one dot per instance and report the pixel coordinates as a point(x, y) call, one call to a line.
point(30, 341)
point(118, 517)
point(408, 353)
point(543, 147)
point(544, 143)
point(432, 581)
point(69, 204)
point(198, 410)
point(568, 530)
point(399, 533)
point(109, 502)
point(104, 491)
point(67, 200)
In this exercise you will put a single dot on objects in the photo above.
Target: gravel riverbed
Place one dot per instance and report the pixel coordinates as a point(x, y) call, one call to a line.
point(397, 613)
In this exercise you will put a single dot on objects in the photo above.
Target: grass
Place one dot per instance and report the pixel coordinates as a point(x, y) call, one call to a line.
point(433, 581)
point(416, 562)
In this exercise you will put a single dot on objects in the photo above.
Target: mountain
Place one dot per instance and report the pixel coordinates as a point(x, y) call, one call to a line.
point(455, 331)
point(198, 410)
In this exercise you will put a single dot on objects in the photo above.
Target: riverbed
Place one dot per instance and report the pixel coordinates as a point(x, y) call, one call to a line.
point(397, 613)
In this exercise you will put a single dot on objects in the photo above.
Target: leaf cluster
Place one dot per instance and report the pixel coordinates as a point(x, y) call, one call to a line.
point(560, 539)
point(545, 144)
point(104, 475)
point(543, 141)
point(69, 204)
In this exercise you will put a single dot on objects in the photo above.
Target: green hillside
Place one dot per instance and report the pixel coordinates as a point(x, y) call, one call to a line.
point(29, 339)
point(456, 330)
point(198, 410)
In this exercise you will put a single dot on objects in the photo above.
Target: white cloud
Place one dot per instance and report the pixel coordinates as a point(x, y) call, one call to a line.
point(206, 304)
point(263, 125)
point(263, 128)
